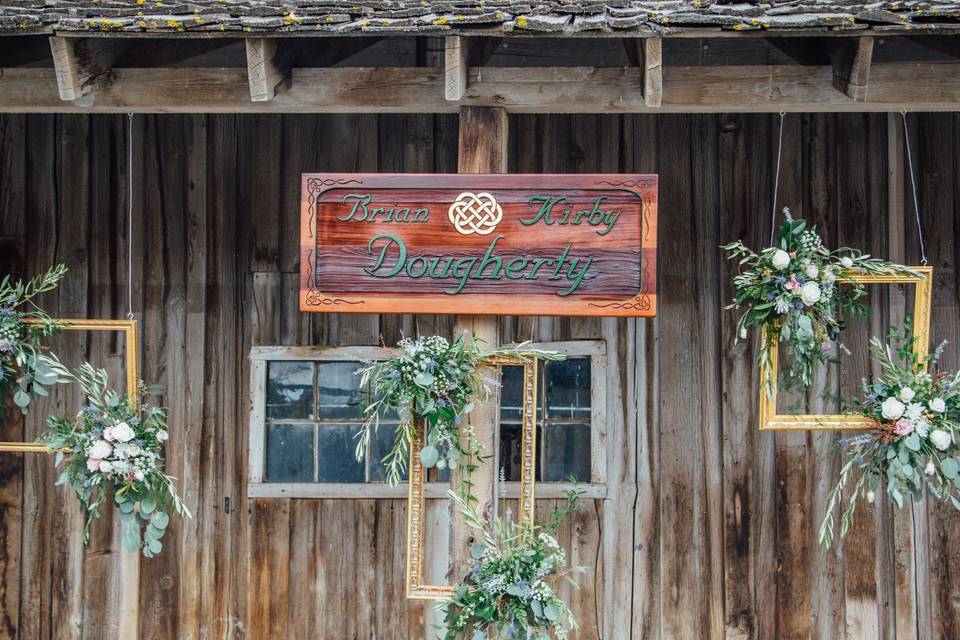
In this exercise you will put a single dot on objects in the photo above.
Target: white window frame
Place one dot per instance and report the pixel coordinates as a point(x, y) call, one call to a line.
point(260, 357)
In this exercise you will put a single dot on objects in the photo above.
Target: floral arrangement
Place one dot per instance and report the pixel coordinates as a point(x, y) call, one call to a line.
point(113, 446)
point(791, 290)
point(509, 591)
point(439, 382)
point(914, 447)
point(22, 367)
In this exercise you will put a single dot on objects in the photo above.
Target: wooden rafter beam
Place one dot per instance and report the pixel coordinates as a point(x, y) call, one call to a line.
point(850, 58)
point(83, 64)
point(895, 86)
point(460, 53)
point(270, 61)
point(647, 54)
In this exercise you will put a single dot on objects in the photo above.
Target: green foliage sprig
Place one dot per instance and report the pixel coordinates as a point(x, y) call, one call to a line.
point(436, 381)
point(914, 448)
point(793, 291)
point(23, 369)
point(510, 589)
point(113, 447)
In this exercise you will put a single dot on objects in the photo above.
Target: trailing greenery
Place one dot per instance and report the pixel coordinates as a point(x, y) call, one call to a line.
point(23, 368)
point(440, 383)
point(510, 589)
point(113, 447)
point(791, 290)
point(914, 448)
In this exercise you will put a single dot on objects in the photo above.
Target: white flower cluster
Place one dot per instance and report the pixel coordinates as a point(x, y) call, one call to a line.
point(910, 415)
point(807, 284)
point(116, 452)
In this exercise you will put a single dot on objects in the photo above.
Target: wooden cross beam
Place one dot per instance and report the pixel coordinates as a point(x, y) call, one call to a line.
point(461, 52)
point(82, 64)
point(647, 54)
point(270, 61)
point(850, 58)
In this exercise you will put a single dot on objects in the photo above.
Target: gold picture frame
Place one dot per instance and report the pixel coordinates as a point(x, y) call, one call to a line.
point(772, 421)
point(416, 508)
point(131, 356)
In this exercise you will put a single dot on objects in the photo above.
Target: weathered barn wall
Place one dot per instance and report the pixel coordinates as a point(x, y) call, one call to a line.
point(709, 527)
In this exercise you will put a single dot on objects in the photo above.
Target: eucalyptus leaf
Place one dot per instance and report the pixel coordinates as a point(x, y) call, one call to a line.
point(147, 505)
point(160, 520)
point(130, 537)
point(423, 379)
point(913, 441)
point(155, 546)
point(551, 613)
point(126, 507)
point(21, 399)
point(476, 551)
point(949, 467)
point(57, 459)
point(429, 456)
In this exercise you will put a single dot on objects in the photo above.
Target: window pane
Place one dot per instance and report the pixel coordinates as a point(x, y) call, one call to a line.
point(339, 390)
point(567, 452)
point(290, 390)
point(509, 460)
point(382, 442)
point(568, 389)
point(336, 461)
point(511, 393)
point(290, 453)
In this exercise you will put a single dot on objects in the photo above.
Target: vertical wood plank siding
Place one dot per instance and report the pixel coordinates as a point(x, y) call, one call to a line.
point(709, 527)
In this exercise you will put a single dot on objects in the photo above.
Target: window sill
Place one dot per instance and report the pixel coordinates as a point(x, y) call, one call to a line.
point(432, 490)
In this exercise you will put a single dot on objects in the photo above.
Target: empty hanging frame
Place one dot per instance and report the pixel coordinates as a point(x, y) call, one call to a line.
point(131, 355)
point(416, 508)
point(770, 420)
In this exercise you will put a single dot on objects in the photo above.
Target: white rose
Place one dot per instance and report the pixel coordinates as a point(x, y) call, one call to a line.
point(940, 439)
point(906, 394)
point(812, 271)
point(138, 475)
point(810, 293)
point(105, 466)
point(892, 409)
point(123, 432)
point(846, 262)
point(923, 427)
point(938, 405)
point(162, 435)
point(930, 469)
point(100, 449)
point(871, 496)
point(780, 259)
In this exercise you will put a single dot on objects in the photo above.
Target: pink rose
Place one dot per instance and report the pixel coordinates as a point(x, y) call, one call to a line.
point(108, 434)
point(903, 427)
point(93, 464)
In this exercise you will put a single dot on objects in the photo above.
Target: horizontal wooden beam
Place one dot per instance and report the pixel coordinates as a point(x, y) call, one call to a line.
point(914, 86)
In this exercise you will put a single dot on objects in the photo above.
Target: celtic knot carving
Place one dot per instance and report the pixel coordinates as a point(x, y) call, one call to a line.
point(475, 213)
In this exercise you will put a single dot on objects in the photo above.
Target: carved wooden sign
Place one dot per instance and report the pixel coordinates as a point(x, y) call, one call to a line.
point(577, 245)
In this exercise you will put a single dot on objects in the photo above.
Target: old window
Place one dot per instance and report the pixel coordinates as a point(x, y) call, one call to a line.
point(307, 407)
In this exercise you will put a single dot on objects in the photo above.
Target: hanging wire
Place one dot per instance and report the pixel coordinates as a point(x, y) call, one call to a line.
point(776, 181)
point(913, 185)
point(130, 216)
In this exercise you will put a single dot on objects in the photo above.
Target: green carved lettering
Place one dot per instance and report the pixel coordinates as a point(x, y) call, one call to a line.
point(418, 260)
point(361, 200)
point(490, 259)
point(462, 273)
point(391, 240)
point(577, 277)
point(514, 268)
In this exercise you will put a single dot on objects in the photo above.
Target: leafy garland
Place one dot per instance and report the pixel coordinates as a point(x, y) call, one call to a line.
point(23, 369)
point(113, 446)
point(509, 591)
point(439, 382)
point(914, 448)
point(791, 290)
